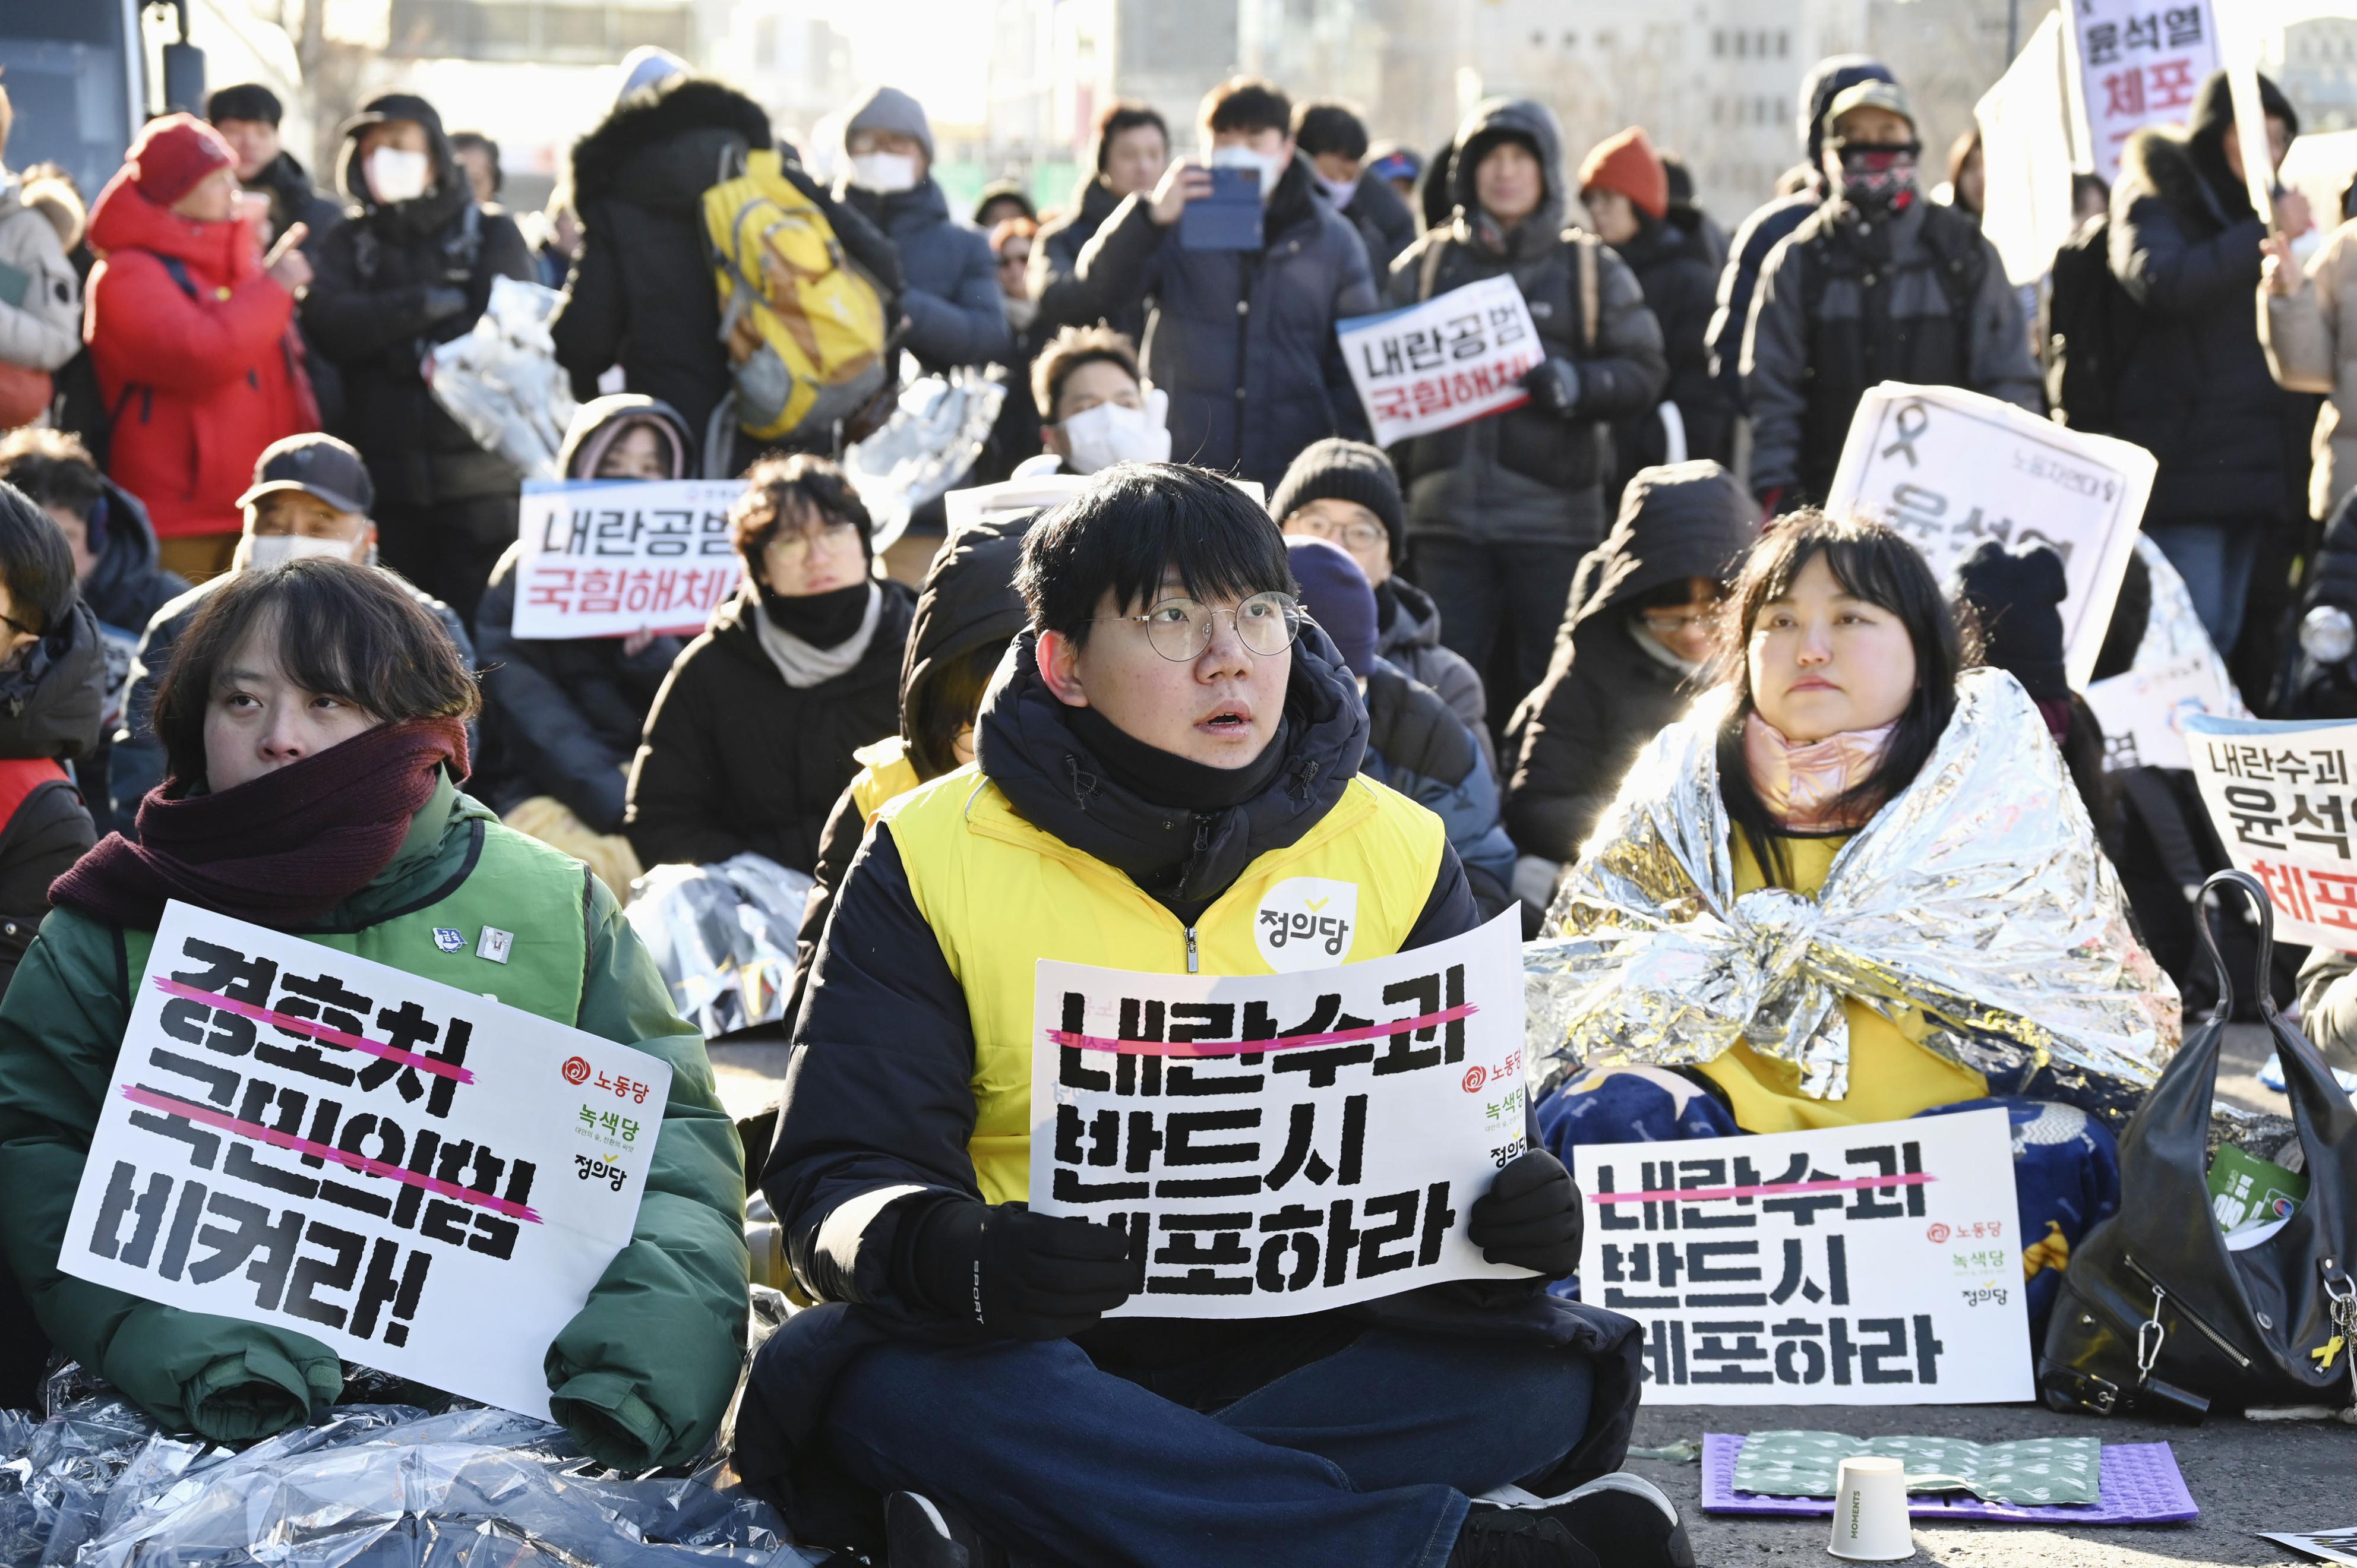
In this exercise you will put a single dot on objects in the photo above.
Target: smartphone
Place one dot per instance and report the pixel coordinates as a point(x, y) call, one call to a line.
point(1227, 220)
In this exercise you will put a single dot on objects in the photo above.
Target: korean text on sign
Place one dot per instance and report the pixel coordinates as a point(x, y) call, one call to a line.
point(1283, 1144)
point(2280, 795)
point(1951, 469)
point(2139, 62)
point(303, 1138)
point(608, 557)
point(1875, 1264)
point(1452, 359)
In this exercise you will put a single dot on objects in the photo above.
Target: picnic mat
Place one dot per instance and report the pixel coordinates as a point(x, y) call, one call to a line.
point(2034, 1470)
point(2139, 1484)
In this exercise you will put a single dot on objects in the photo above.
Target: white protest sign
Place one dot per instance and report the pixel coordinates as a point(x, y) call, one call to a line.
point(2325, 1546)
point(2026, 157)
point(2143, 712)
point(1950, 469)
point(1335, 1160)
point(424, 1180)
point(2278, 793)
point(2136, 63)
point(1445, 361)
point(1874, 1265)
point(608, 557)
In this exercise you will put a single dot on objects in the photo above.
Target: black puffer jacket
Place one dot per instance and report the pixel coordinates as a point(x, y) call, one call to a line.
point(735, 760)
point(951, 300)
point(1385, 225)
point(1674, 267)
point(1605, 695)
point(124, 590)
point(2195, 389)
point(1407, 635)
point(1064, 300)
point(49, 710)
point(1527, 474)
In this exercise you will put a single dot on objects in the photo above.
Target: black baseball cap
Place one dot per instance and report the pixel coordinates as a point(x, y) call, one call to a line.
point(316, 464)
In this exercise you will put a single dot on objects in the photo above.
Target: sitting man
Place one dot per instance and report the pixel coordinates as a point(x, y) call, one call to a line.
point(1170, 740)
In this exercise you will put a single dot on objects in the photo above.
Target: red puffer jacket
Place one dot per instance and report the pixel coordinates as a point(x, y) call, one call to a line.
point(200, 370)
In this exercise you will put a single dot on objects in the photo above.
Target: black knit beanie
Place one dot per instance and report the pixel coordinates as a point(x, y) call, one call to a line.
point(2020, 599)
point(1336, 469)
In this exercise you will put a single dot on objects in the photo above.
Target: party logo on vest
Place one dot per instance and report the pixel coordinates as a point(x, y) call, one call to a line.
point(449, 939)
point(1306, 922)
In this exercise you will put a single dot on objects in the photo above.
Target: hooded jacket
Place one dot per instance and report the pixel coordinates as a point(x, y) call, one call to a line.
point(40, 320)
point(384, 279)
point(1419, 747)
point(1605, 696)
point(1385, 225)
point(2195, 389)
point(1674, 267)
point(1407, 635)
point(562, 715)
point(1770, 221)
point(949, 295)
point(1242, 340)
point(50, 707)
point(196, 357)
point(735, 760)
point(1063, 299)
point(1526, 474)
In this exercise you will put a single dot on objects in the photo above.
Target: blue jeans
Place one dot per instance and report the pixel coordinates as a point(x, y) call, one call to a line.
point(1365, 1459)
point(2215, 559)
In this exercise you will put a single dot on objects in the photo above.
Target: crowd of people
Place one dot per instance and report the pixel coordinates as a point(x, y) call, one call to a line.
point(1599, 658)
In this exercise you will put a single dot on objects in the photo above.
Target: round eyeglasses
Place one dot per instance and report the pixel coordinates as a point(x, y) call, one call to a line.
point(1180, 629)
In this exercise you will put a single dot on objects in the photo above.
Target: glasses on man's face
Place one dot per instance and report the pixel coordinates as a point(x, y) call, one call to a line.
point(838, 535)
point(1179, 629)
point(1357, 535)
point(1669, 623)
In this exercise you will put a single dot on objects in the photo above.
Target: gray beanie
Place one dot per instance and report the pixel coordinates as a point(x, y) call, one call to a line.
point(890, 109)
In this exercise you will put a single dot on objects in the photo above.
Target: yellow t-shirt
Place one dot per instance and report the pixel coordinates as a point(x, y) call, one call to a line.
point(1890, 1076)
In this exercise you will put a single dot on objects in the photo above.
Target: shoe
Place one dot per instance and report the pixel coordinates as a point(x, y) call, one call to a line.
point(1624, 1520)
point(1516, 1538)
point(920, 1533)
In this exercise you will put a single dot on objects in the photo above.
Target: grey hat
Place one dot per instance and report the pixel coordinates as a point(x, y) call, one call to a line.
point(890, 109)
point(1868, 94)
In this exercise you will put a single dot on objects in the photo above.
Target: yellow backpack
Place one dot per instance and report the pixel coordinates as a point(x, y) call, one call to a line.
point(802, 322)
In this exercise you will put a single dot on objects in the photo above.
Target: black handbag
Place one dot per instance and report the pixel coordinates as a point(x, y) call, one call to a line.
point(2156, 1315)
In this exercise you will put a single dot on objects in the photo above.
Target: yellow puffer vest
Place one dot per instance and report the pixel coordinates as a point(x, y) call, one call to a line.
point(1001, 895)
point(885, 773)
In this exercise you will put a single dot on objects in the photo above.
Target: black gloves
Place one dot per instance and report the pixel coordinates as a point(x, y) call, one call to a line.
point(1018, 1274)
point(1530, 1217)
point(1553, 385)
point(443, 303)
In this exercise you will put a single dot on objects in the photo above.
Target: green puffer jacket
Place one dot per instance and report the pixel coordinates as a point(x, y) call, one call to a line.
point(641, 1376)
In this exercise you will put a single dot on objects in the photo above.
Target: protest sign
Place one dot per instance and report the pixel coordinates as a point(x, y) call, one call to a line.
point(2280, 795)
point(2143, 712)
point(424, 1180)
point(2026, 157)
point(2136, 63)
point(1447, 360)
point(2325, 1546)
point(1948, 468)
point(1284, 1144)
point(1874, 1265)
point(609, 557)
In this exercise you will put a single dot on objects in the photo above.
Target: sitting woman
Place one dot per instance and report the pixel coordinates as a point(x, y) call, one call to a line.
point(1855, 885)
point(313, 718)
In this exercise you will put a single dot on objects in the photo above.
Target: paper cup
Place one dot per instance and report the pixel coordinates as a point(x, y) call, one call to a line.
point(1870, 1512)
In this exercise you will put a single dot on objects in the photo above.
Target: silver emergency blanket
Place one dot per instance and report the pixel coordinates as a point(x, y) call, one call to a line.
point(2174, 631)
point(368, 1485)
point(723, 936)
point(502, 380)
point(1977, 896)
point(936, 432)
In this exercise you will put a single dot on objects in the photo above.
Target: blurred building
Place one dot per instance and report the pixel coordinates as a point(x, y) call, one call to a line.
point(2319, 71)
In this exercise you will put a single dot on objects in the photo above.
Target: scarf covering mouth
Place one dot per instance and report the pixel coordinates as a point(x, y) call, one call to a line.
point(1802, 783)
point(279, 851)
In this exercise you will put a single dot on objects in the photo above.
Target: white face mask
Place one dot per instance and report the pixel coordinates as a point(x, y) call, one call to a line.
point(1340, 191)
point(271, 548)
point(395, 175)
point(1110, 434)
point(885, 174)
point(1271, 166)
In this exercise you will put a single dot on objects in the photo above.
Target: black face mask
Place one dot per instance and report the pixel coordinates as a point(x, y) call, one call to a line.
point(1879, 176)
point(822, 620)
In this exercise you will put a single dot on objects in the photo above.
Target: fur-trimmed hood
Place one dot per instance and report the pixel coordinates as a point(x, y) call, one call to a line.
point(51, 197)
point(664, 145)
point(2160, 159)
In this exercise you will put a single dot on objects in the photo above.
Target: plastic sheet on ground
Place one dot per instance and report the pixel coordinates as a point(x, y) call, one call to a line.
point(722, 937)
point(935, 433)
point(369, 1485)
point(502, 380)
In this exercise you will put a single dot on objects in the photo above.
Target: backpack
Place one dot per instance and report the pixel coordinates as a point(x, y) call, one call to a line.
point(2088, 331)
point(817, 319)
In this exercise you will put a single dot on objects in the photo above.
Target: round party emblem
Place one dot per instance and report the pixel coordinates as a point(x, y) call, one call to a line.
point(576, 1069)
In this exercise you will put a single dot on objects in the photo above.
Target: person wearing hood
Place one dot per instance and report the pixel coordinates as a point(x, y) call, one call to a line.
point(1241, 341)
point(1347, 493)
point(1094, 410)
point(1127, 152)
point(1499, 510)
point(751, 738)
point(1000, 200)
point(40, 296)
point(1625, 187)
point(411, 268)
point(562, 716)
point(1876, 284)
point(1636, 636)
point(1334, 139)
point(192, 328)
point(642, 295)
point(1689, 217)
point(975, 1390)
point(2195, 389)
point(950, 307)
point(310, 497)
point(1738, 277)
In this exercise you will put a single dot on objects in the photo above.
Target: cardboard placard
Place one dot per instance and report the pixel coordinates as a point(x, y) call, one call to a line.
point(2144, 711)
point(609, 557)
point(1447, 360)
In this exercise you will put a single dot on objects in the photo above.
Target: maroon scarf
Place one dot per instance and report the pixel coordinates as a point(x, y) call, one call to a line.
point(279, 851)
